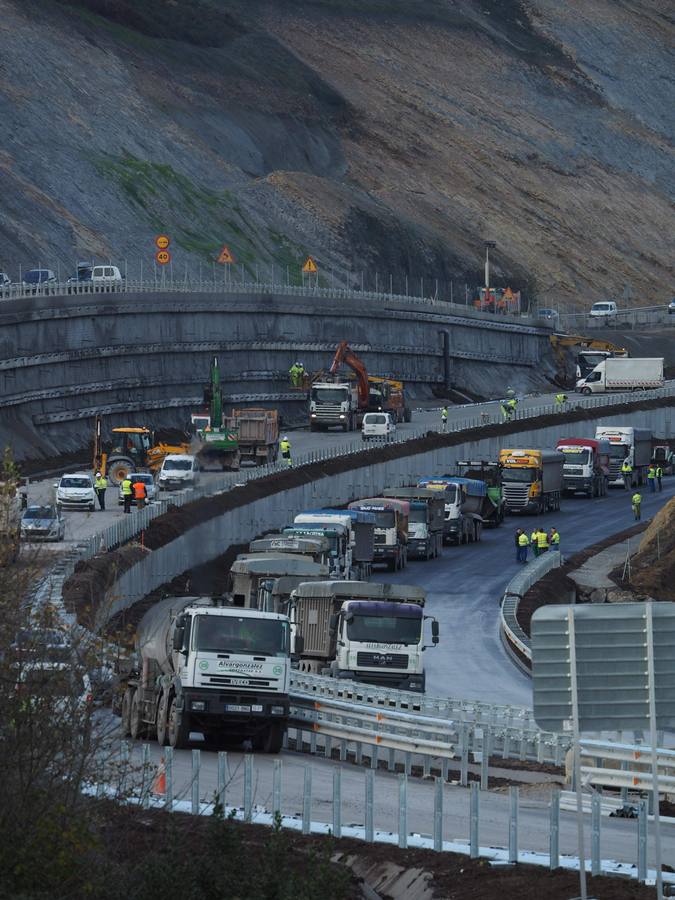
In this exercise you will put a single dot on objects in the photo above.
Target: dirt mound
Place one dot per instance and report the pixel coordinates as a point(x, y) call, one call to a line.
point(85, 590)
point(653, 566)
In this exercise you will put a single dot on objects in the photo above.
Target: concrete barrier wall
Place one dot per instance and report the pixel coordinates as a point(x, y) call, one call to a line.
point(144, 358)
point(209, 540)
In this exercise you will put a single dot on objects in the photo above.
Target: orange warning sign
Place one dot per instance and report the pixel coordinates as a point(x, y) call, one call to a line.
point(226, 256)
point(162, 242)
point(309, 267)
point(163, 257)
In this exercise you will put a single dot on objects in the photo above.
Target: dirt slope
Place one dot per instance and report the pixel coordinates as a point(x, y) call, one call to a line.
point(383, 137)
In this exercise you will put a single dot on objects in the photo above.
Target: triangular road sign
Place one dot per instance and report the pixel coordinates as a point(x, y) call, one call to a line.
point(226, 256)
point(309, 267)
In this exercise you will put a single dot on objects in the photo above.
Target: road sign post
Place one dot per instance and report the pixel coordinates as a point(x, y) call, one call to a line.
point(310, 269)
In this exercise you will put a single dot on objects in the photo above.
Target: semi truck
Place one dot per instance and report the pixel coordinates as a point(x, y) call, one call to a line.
point(251, 581)
point(586, 468)
point(425, 520)
point(373, 633)
point(316, 546)
point(339, 542)
point(360, 525)
point(391, 529)
point(532, 480)
point(627, 443)
point(333, 401)
point(622, 374)
point(490, 473)
point(203, 667)
point(465, 499)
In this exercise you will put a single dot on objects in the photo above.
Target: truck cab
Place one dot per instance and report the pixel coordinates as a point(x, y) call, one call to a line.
point(333, 403)
point(337, 535)
point(464, 499)
point(248, 575)
point(586, 467)
point(366, 632)
point(360, 527)
point(391, 528)
point(627, 443)
point(425, 520)
point(532, 480)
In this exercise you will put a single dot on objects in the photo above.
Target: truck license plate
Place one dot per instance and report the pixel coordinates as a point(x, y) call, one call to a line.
point(234, 707)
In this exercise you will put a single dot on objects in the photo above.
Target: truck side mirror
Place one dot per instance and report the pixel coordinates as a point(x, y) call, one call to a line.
point(178, 636)
point(434, 631)
point(332, 624)
point(299, 644)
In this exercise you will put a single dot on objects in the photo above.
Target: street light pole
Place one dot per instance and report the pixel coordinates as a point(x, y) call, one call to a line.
point(488, 246)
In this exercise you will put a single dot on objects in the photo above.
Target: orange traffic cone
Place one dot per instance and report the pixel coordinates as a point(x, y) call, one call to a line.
point(159, 781)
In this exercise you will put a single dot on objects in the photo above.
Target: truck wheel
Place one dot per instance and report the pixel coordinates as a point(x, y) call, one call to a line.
point(126, 711)
point(271, 739)
point(586, 390)
point(136, 724)
point(161, 720)
point(179, 735)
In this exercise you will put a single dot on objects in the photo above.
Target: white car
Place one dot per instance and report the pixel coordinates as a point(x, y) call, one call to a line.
point(606, 309)
point(379, 425)
point(179, 470)
point(76, 490)
point(150, 488)
point(106, 275)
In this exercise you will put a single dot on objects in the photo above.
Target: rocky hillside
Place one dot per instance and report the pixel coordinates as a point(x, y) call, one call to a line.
point(382, 136)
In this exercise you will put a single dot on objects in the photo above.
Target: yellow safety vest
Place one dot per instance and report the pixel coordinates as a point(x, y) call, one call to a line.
point(626, 467)
point(285, 446)
point(555, 538)
point(651, 474)
point(542, 540)
point(522, 540)
point(126, 487)
point(101, 484)
point(637, 499)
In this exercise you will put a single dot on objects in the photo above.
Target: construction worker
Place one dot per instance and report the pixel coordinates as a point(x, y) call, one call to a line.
point(659, 476)
point(542, 541)
point(554, 539)
point(444, 418)
point(285, 447)
point(534, 540)
point(627, 474)
point(509, 407)
point(635, 502)
point(139, 493)
point(560, 401)
point(651, 477)
point(523, 544)
point(127, 494)
point(294, 372)
point(100, 485)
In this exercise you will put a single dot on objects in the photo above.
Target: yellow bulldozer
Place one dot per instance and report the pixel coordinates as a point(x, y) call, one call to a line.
point(131, 448)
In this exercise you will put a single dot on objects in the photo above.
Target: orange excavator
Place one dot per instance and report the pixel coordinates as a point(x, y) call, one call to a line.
point(374, 393)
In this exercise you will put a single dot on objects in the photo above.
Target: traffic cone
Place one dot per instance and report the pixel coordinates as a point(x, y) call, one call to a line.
point(159, 781)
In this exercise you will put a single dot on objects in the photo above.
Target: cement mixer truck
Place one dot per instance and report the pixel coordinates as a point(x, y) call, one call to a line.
point(208, 668)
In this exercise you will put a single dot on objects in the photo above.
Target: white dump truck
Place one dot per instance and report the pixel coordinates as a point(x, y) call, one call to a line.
point(372, 633)
point(626, 443)
point(208, 668)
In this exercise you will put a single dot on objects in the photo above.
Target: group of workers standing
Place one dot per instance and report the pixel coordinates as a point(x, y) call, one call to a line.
point(133, 490)
point(540, 540)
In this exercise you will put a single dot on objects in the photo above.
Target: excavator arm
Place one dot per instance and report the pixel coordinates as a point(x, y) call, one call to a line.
point(344, 354)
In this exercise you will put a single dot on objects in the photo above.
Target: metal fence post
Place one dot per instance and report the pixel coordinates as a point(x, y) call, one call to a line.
point(554, 834)
point(307, 801)
point(370, 778)
point(642, 842)
point(595, 834)
point(248, 787)
point(438, 814)
point(276, 788)
point(337, 802)
point(196, 764)
point(473, 821)
point(222, 778)
point(484, 758)
point(168, 769)
point(513, 825)
point(464, 763)
point(403, 811)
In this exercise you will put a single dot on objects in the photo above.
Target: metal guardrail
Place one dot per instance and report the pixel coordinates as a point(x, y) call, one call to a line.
point(632, 769)
point(513, 635)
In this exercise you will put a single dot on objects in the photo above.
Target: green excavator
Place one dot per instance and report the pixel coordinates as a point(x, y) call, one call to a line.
point(215, 442)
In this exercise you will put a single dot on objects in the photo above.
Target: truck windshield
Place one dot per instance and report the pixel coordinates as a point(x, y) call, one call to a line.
point(385, 629)
point(417, 514)
point(385, 518)
point(241, 634)
point(618, 451)
point(181, 465)
point(449, 493)
point(329, 395)
point(524, 475)
point(577, 457)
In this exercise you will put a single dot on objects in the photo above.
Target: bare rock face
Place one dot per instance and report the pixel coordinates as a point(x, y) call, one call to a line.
point(619, 596)
point(389, 139)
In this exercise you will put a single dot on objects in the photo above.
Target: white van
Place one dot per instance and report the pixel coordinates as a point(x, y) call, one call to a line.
point(379, 425)
point(106, 275)
point(179, 470)
point(606, 309)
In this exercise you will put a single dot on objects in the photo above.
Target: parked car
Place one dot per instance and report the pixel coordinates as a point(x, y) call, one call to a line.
point(5, 282)
point(179, 470)
point(76, 490)
point(378, 425)
point(671, 307)
point(106, 275)
point(148, 480)
point(35, 280)
point(606, 309)
point(42, 523)
point(549, 315)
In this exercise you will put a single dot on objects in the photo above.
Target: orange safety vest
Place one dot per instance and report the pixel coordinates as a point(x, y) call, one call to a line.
point(139, 490)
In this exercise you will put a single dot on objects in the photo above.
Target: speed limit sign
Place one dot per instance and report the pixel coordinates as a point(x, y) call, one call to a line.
point(163, 257)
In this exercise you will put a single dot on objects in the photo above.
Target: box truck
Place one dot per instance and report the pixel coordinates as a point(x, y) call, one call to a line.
point(623, 374)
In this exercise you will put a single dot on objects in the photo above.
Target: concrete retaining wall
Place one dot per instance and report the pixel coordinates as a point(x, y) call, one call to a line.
point(144, 358)
point(209, 540)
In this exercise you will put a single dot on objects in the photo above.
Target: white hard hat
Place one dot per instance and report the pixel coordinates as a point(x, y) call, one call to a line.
point(285, 437)
point(98, 474)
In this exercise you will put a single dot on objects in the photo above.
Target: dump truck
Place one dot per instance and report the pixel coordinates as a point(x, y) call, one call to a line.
point(465, 500)
point(361, 528)
point(315, 546)
point(338, 536)
point(372, 633)
point(627, 443)
point(532, 480)
point(425, 520)
point(490, 473)
point(203, 667)
point(622, 374)
point(586, 468)
point(257, 434)
point(253, 581)
point(391, 529)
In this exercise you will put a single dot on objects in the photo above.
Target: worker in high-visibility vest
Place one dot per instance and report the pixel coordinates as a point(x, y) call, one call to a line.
point(509, 407)
point(523, 544)
point(542, 541)
point(651, 478)
point(636, 502)
point(285, 447)
point(444, 418)
point(534, 540)
point(560, 401)
point(659, 476)
point(127, 494)
point(627, 474)
point(554, 539)
point(100, 485)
